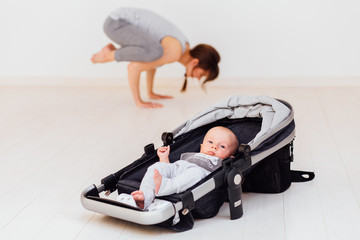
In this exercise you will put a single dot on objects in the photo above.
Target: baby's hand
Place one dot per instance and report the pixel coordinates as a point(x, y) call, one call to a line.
point(163, 152)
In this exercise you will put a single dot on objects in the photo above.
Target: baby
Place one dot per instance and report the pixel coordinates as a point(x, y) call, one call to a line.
point(165, 178)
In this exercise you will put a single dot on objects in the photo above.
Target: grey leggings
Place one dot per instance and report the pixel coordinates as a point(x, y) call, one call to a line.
point(136, 45)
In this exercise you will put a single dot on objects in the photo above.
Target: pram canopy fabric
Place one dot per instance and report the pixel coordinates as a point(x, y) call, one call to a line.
point(272, 112)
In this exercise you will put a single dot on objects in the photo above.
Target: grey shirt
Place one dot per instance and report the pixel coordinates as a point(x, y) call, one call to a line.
point(210, 163)
point(153, 24)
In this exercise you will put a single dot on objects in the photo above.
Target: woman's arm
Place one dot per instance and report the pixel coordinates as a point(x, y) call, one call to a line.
point(150, 74)
point(172, 53)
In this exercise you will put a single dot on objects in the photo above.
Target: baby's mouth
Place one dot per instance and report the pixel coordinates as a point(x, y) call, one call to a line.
point(211, 153)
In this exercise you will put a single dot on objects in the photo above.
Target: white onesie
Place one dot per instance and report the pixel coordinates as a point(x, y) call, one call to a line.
point(178, 176)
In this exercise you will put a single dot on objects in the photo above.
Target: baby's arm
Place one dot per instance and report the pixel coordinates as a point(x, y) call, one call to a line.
point(163, 153)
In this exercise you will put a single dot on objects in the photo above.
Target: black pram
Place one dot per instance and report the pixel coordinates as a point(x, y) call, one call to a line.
point(265, 129)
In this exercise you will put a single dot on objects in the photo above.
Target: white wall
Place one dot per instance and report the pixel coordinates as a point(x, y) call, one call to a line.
point(256, 38)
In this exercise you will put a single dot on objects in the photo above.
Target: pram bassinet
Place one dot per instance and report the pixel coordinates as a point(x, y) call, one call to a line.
point(263, 126)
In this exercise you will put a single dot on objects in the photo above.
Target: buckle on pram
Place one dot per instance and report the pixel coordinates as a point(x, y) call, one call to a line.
point(109, 183)
point(187, 199)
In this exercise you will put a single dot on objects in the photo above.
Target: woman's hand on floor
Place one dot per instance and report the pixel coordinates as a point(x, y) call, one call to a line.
point(149, 105)
point(158, 96)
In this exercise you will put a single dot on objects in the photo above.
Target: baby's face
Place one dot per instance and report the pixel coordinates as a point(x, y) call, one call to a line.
point(219, 142)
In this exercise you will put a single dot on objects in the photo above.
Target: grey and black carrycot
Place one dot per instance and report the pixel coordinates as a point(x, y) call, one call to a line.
point(265, 129)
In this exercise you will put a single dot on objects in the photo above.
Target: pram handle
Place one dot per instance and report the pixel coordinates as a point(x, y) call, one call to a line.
point(167, 138)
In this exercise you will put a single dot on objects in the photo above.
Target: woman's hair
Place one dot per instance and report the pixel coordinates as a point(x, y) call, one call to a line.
point(208, 60)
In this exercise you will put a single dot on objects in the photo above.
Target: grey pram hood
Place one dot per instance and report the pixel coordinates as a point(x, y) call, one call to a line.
point(272, 112)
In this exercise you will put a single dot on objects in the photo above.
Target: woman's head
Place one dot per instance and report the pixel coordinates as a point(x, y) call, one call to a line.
point(205, 63)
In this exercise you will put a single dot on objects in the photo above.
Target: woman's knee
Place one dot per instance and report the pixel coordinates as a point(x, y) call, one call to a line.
point(158, 52)
point(133, 66)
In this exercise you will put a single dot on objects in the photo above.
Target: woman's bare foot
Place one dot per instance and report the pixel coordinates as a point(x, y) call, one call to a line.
point(139, 198)
point(110, 46)
point(106, 54)
point(157, 180)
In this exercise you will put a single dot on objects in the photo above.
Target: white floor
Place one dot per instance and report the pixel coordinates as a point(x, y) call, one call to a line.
point(56, 141)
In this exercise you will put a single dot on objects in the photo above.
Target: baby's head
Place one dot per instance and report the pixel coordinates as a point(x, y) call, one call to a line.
point(220, 142)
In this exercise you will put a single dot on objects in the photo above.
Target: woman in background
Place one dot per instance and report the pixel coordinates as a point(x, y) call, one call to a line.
point(149, 41)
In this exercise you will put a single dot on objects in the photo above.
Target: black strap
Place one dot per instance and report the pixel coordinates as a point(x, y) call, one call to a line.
point(187, 199)
point(302, 176)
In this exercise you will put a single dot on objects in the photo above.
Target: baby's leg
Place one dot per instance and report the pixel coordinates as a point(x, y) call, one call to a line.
point(147, 186)
point(139, 198)
point(187, 175)
point(157, 180)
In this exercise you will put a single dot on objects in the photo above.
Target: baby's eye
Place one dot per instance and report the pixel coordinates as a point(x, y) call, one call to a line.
point(210, 142)
point(222, 146)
